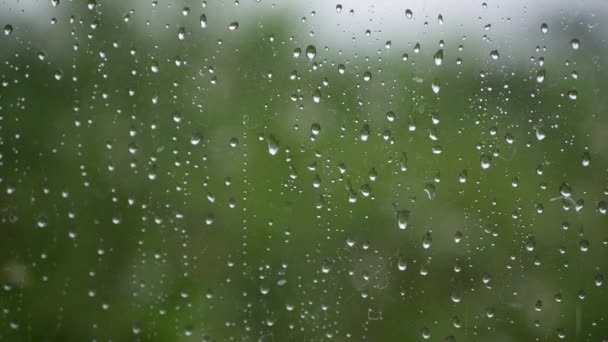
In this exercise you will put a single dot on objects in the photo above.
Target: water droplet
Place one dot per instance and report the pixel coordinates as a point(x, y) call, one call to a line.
point(341, 68)
point(364, 132)
point(338, 8)
point(456, 296)
point(409, 14)
point(311, 52)
point(426, 333)
point(390, 116)
point(403, 217)
point(203, 20)
point(315, 129)
point(540, 76)
point(92, 4)
point(234, 142)
point(494, 54)
point(438, 57)
point(540, 133)
point(584, 245)
point(417, 48)
point(325, 266)
point(196, 138)
point(486, 161)
point(430, 190)
point(42, 221)
point(575, 43)
point(427, 240)
point(273, 145)
point(586, 159)
point(572, 94)
point(402, 263)
point(530, 244)
point(316, 96)
point(233, 26)
point(58, 75)
point(181, 33)
point(367, 76)
point(154, 67)
point(462, 178)
point(436, 86)
point(565, 190)
point(544, 28)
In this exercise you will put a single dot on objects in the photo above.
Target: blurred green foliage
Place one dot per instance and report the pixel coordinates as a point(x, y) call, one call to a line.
point(119, 224)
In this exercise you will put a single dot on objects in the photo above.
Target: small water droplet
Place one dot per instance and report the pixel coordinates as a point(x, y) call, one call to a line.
point(409, 14)
point(494, 54)
point(233, 26)
point(544, 28)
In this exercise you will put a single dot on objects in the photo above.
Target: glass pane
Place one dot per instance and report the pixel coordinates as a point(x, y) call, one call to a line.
point(285, 170)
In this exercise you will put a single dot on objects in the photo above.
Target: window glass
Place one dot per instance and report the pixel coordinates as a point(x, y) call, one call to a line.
point(259, 170)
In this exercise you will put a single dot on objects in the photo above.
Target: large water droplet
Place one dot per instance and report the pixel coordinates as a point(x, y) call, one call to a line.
point(311, 52)
point(575, 43)
point(273, 145)
point(403, 217)
point(438, 57)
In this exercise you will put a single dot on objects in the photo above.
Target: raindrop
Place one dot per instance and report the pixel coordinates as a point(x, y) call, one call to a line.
point(494, 54)
point(311, 52)
point(540, 76)
point(427, 240)
point(586, 159)
point(316, 96)
point(203, 21)
point(181, 33)
point(196, 138)
point(436, 86)
point(233, 26)
point(486, 161)
point(575, 43)
point(402, 263)
point(273, 145)
point(544, 28)
point(409, 14)
point(438, 57)
point(403, 217)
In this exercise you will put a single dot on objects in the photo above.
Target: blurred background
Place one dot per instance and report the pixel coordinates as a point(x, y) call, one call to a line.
point(303, 171)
